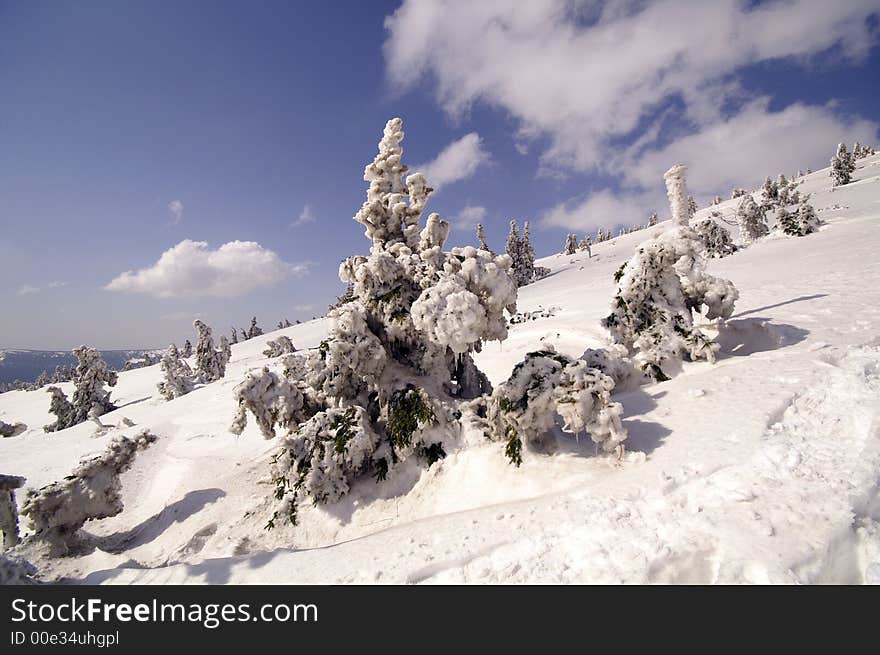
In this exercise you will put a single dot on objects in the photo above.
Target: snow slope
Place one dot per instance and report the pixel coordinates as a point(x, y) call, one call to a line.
point(763, 467)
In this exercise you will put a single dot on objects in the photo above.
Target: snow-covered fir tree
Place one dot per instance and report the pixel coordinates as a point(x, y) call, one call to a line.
point(737, 193)
point(481, 237)
point(523, 408)
point(717, 200)
point(280, 346)
point(9, 509)
point(90, 399)
point(752, 220)
point(388, 382)
point(571, 245)
point(187, 349)
point(254, 330)
point(652, 220)
point(807, 219)
point(659, 290)
point(92, 491)
point(842, 166)
point(586, 244)
point(769, 193)
point(716, 239)
point(526, 272)
point(177, 377)
point(787, 222)
point(692, 206)
point(210, 362)
point(225, 348)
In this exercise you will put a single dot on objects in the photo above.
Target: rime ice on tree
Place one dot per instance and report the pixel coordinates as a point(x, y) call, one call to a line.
point(388, 382)
point(177, 375)
point(210, 362)
point(90, 399)
point(660, 288)
point(752, 220)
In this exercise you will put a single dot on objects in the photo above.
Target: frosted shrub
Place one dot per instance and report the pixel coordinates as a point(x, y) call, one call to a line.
point(90, 399)
point(752, 220)
point(716, 239)
point(92, 491)
point(16, 571)
point(280, 346)
point(522, 409)
point(177, 375)
point(389, 380)
point(660, 288)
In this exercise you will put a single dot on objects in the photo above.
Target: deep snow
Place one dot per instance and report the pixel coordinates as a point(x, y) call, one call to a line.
point(763, 467)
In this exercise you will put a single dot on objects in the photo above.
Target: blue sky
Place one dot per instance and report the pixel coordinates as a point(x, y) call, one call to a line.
point(127, 128)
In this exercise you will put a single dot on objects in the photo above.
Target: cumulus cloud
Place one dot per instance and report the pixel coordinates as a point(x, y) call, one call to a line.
point(456, 162)
point(305, 216)
point(192, 269)
point(468, 217)
point(27, 290)
point(605, 209)
point(176, 209)
point(581, 78)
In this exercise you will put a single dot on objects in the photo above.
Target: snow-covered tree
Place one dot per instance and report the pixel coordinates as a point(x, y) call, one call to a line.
point(659, 290)
point(254, 330)
point(178, 379)
point(752, 220)
point(280, 346)
point(717, 200)
point(652, 220)
point(187, 349)
point(210, 362)
point(769, 193)
point(481, 237)
point(272, 399)
point(788, 222)
point(92, 491)
point(11, 430)
point(526, 257)
point(522, 409)
point(9, 509)
point(676, 191)
point(389, 381)
point(512, 247)
point(716, 239)
point(737, 193)
point(842, 166)
point(90, 399)
point(586, 244)
point(807, 220)
point(225, 348)
point(571, 245)
point(234, 335)
point(692, 206)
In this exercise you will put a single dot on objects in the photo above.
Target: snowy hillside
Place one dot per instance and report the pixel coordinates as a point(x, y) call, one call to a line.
point(763, 467)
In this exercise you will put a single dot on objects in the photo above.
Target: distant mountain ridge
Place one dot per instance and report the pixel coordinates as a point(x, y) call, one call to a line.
point(26, 365)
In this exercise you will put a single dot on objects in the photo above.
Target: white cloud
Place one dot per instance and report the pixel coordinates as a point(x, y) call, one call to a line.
point(604, 209)
point(176, 209)
point(578, 78)
point(456, 162)
point(468, 217)
point(57, 284)
point(305, 216)
point(191, 269)
point(27, 290)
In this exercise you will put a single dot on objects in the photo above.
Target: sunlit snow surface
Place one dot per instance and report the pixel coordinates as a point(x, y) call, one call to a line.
point(763, 467)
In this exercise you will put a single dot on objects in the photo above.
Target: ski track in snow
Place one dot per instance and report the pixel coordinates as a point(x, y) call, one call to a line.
point(761, 468)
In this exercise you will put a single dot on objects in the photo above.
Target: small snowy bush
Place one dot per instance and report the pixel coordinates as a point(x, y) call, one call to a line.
point(92, 491)
point(522, 409)
point(716, 239)
point(280, 346)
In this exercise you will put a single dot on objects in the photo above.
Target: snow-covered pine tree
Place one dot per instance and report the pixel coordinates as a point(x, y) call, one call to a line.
point(527, 256)
point(225, 348)
point(280, 346)
point(752, 220)
point(652, 220)
point(9, 509)
point(737, 193)
point(788, 222)
point(92, 491)
point(234, 337)
point(187, 349)
point(388, 382)
point(661, 287)
point(717, 200)
point(692, 206)
point(546, 383)
point(842, 166)
point(481, 237)
point(210, 362)
point(177, 375)
point(513, 248)
point(571, 244)
point(254, 330)
point(808, 221)
point(716, 238)
point(90, 399)
point(769, 193)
